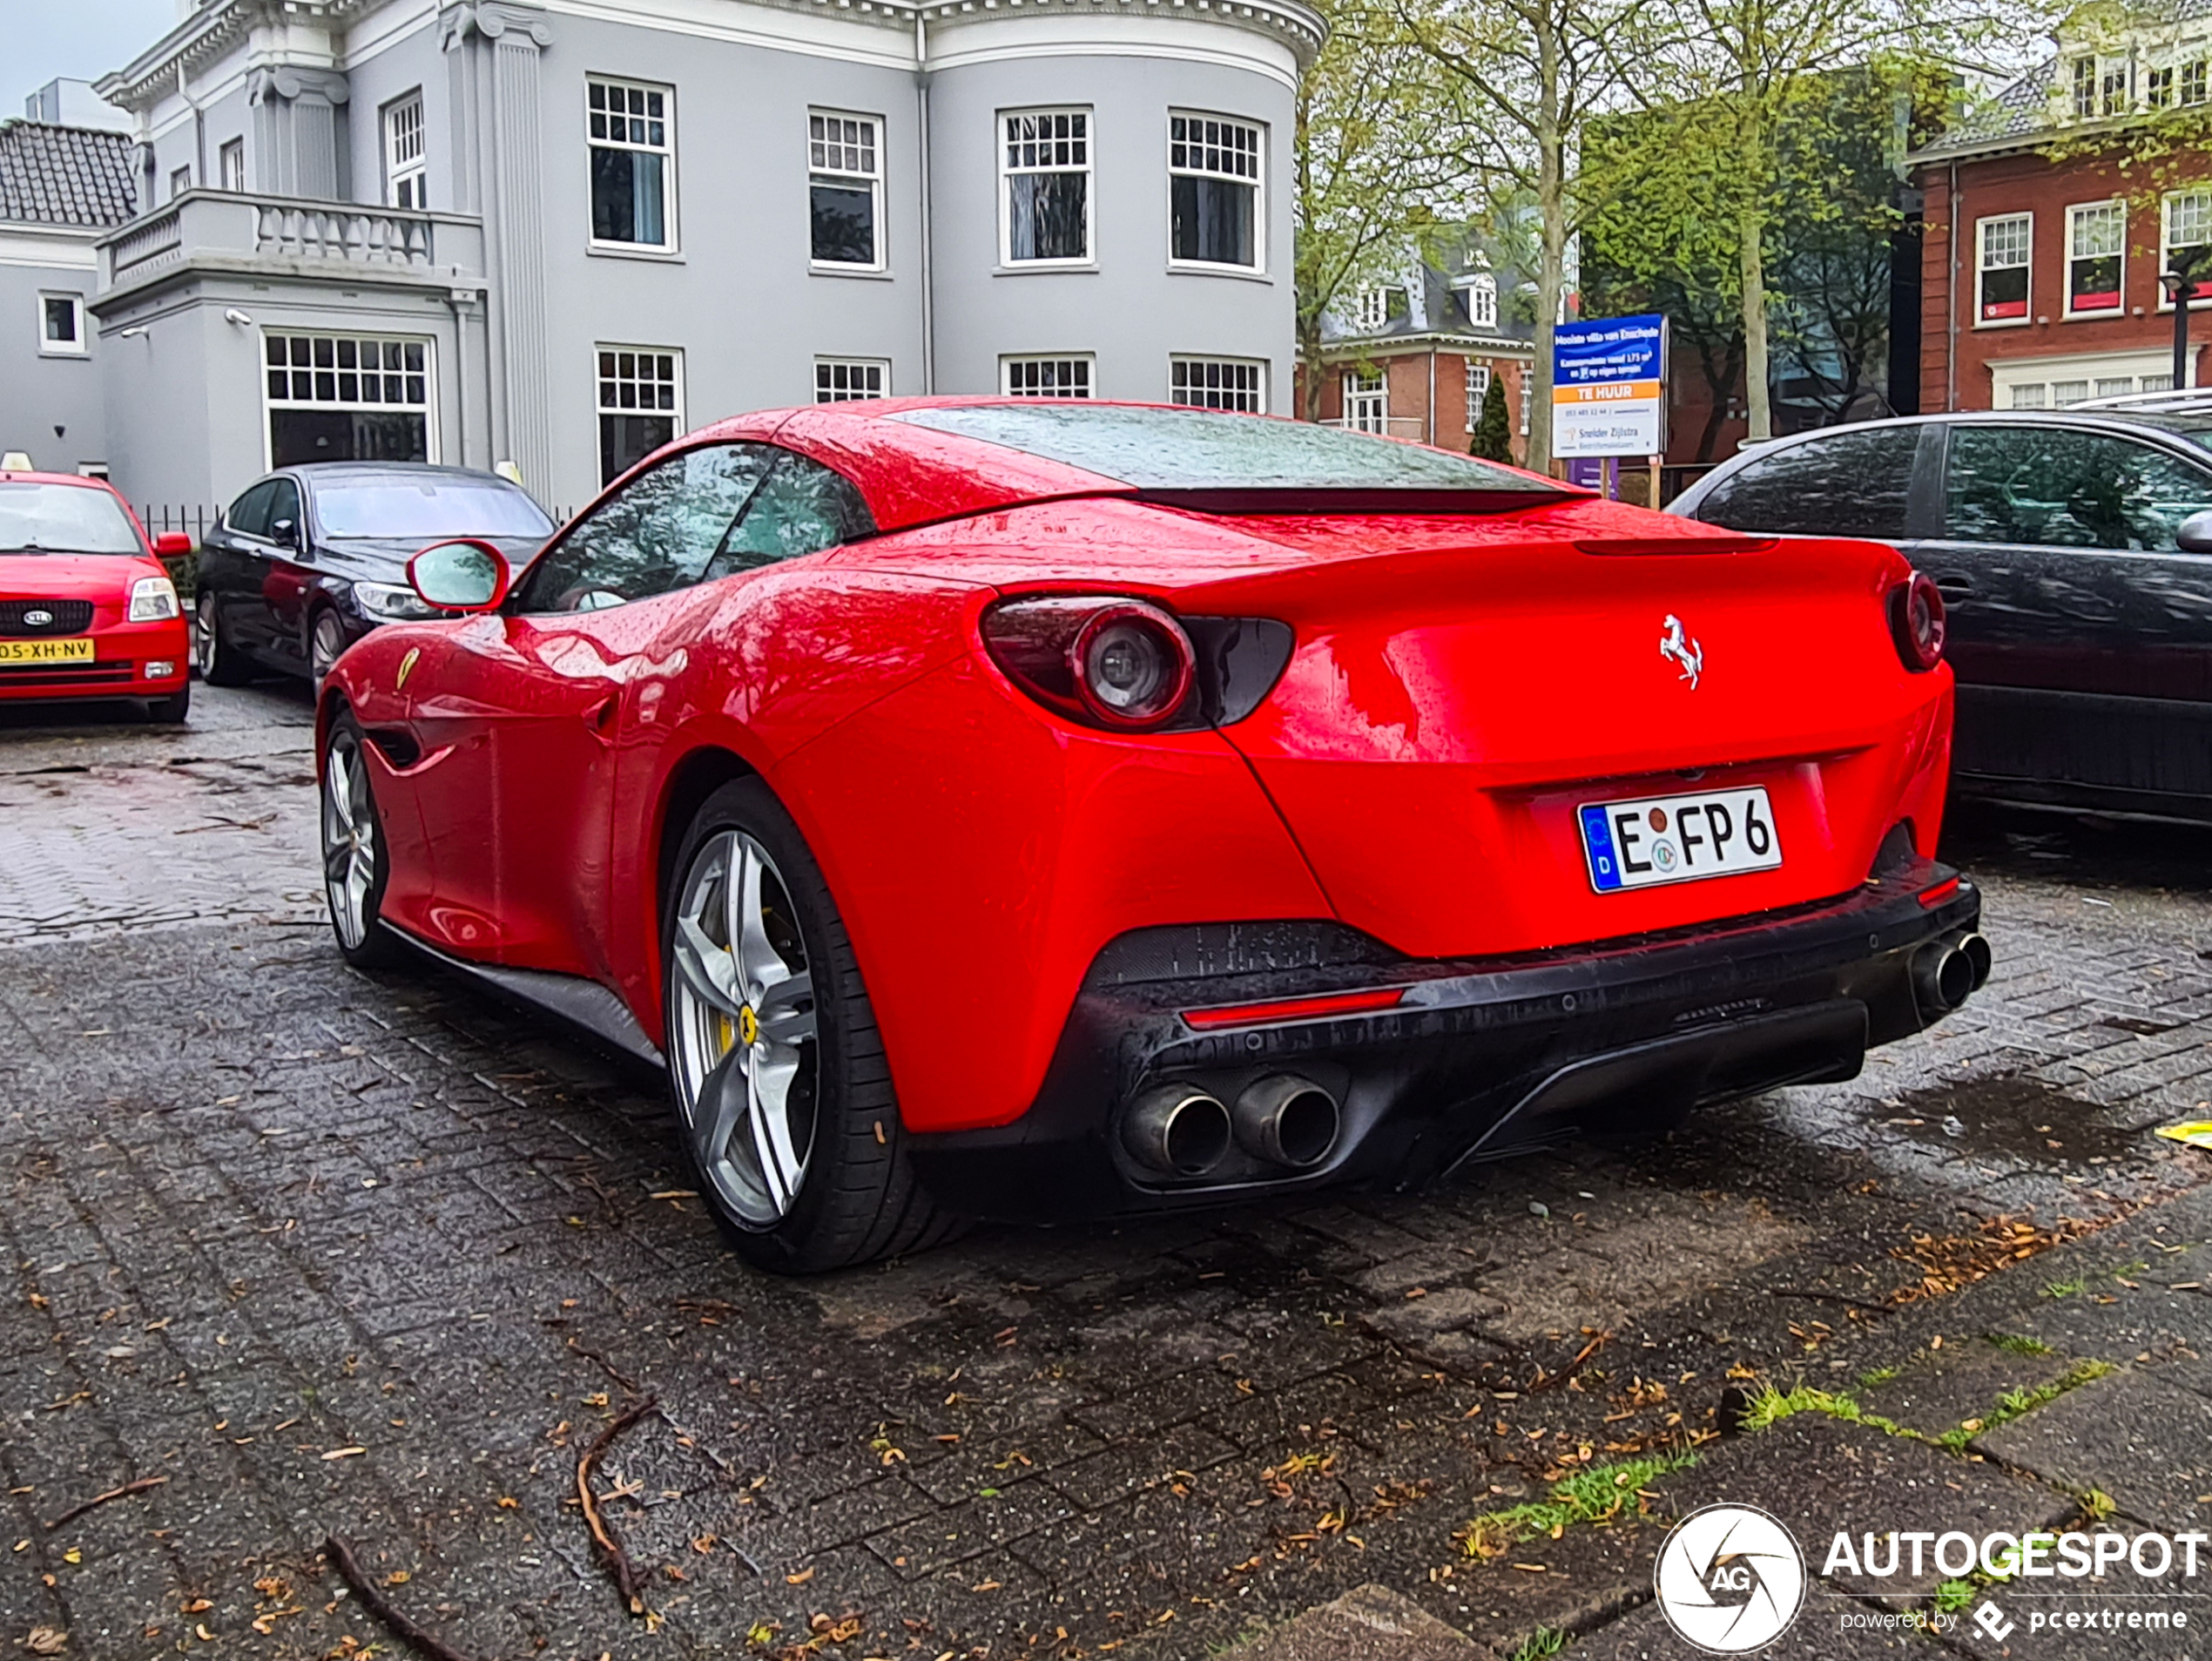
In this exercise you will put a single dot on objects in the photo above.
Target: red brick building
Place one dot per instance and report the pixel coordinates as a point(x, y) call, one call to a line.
point(1415, 359)
point(2040, 277)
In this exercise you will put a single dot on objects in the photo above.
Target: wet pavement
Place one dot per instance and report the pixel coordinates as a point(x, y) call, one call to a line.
point(382, 1257)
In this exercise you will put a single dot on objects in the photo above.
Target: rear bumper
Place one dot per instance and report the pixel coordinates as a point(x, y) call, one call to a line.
point(122, 655)
point(1474, 1059)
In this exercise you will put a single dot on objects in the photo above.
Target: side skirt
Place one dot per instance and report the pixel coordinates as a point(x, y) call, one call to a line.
point(572, 997)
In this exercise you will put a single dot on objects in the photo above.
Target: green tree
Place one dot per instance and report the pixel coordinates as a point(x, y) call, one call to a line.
point(1493, 439)
point(1368, 168)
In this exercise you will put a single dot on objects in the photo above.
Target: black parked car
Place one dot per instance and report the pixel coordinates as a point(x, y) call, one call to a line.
point(310, 559)
point(2073, 549)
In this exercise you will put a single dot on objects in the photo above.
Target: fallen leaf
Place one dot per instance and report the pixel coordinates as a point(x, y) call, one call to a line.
point(344, 1453)
point(800, 1578)
point(44, 1640)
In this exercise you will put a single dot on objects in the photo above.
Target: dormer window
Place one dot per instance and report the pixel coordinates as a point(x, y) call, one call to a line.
point(1481, 293)
point(1374, 309)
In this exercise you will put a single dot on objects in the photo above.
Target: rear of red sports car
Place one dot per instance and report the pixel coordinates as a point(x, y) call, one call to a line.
point(1023, 809)
point(1272, 832)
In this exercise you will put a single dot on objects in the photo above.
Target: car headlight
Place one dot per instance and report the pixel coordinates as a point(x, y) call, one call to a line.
point(153, 599)
point(392, 601)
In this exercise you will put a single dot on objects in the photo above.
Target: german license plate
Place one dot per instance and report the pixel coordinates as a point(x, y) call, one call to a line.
point(1678, 839)
point(77, 651)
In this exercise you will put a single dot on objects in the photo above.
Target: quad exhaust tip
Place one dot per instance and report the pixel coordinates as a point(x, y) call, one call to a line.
point(1177, 1130)
point(1947, 973)
point(1286, 1120)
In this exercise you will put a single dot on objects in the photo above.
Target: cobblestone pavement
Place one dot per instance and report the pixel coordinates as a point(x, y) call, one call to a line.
point(382, 1257)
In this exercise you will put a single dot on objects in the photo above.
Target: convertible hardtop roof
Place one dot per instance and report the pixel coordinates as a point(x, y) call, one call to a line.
point(919, 460)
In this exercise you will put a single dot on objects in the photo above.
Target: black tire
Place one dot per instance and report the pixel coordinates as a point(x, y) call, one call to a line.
point(220, 663)
point(364, 942)
point(858, 1200)
point(171, 711)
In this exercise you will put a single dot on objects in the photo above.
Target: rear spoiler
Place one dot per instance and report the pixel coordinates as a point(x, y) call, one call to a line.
point(1261, 499)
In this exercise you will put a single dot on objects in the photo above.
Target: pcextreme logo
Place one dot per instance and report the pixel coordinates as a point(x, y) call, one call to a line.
point(1731, 1579)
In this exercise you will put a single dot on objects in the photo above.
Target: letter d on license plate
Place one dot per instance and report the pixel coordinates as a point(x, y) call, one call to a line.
point(1678, 839)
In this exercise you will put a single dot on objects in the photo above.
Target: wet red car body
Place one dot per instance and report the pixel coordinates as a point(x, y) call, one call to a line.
point(67, 630)
point(1357, 859)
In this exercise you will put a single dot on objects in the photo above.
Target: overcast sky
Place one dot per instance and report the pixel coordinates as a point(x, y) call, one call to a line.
point(81, 38)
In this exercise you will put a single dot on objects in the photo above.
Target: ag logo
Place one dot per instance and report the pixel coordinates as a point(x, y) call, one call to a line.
point(1731, 1579)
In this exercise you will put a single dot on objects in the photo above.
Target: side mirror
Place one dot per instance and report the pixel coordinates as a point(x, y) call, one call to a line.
point(463, 574)
point(169, 543)
point(284, 533)
point(2195, 534)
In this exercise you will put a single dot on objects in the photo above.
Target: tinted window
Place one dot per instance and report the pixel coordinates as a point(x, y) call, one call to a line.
point(249, 515)
point(2056, 488)
point(283, 504)
point(694, 516)
point(64, 518)
point(1198, 449)
point(431, 505)
point(1841, 484)
point(801, 508)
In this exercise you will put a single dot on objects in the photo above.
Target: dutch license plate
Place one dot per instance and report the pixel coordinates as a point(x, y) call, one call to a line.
point(1678, 839)
point(77, 651)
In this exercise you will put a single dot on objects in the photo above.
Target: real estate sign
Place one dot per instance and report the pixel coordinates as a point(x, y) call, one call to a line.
point(1609, 387)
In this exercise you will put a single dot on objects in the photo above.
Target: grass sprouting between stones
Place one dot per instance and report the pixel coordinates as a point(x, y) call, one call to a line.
point(2014, 1403)
point(1953, 1594)
point(1542, 1644)
point(2014, 1344)
point(1596, 1495)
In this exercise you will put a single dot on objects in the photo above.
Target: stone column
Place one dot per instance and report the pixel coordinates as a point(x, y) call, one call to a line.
point(496, 46)
point(299, 148)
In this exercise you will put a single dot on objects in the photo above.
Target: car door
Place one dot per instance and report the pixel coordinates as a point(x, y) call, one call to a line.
point(287, 576)
point(2080, 635)
point(231, 567)
point(523, 710)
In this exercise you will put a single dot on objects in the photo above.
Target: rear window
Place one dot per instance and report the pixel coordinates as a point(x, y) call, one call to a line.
point(426, 507)
point(1841, 484)
point(1205, 452)
point(63, 519)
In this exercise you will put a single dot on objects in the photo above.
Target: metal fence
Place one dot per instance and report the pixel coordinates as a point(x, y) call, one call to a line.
point(193, 518)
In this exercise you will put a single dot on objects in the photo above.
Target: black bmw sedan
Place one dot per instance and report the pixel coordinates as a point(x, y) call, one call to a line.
point(310, 559)
point(2073, 551)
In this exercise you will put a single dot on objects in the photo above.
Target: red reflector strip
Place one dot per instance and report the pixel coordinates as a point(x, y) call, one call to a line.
point(1253, 1014)
point(1933, 897)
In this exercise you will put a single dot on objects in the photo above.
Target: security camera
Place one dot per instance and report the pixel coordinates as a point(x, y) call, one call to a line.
point(234, 315)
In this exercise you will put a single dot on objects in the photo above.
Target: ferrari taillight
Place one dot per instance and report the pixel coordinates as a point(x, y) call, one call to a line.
point(1102, 660)
point(1917, 621)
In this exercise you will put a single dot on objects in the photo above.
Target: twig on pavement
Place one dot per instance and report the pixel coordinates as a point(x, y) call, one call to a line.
point(628, 1581)
point(76, 1511)
point(373, 1599)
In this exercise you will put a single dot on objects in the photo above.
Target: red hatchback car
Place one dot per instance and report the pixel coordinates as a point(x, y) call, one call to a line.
point(1042, 809)
point(87, 610)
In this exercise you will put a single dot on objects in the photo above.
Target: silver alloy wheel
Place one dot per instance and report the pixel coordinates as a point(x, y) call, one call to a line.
point(202, 637)
point(744, 1033)
point(325, 642)
point(349, 841)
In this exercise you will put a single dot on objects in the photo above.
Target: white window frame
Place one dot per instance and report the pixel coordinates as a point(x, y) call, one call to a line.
point(829, 148)
point(853, 370)
point(405, 170)
point(2081, 87)
point(1482, 287)
point(600, 406)
point(1366, 399)
point(428, 407)
point(671, 243)
point(1255, 368)
point(76, 349)
point(2074, 213)
point(1257, 182)
point(1008, 172)
point(1982, 267)
point(232, 151)
point(2167, 245)
point(1086, 361)
point(1480, 376)
point(179, 181)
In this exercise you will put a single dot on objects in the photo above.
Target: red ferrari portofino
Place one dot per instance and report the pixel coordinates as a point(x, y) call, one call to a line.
point(1056, 809)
